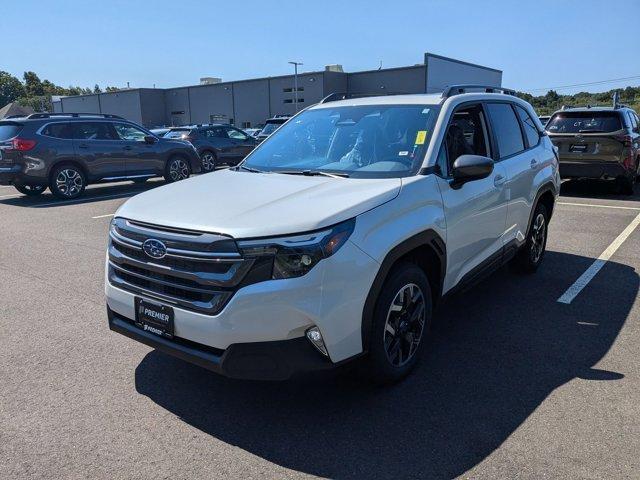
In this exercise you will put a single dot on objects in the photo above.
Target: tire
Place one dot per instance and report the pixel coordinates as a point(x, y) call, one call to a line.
point(402, 314)
point(177, 169)
point(30, 190)
point(530, 256)
point(626, 185)
point(67, 181)
point(209, 161)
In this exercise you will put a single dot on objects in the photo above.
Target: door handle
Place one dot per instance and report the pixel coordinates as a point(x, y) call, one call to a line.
point(83, 146)
point(128, 147)
point(534, 163)
point(498, 180)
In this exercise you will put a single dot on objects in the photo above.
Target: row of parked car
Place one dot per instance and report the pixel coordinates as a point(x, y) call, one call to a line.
point(66, 152)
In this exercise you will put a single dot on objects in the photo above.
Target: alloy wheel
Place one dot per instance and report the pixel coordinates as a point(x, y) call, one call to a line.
point(69, 182)
point(178, 170)
point(208, 162)
point(537, 238)
point(404, 325)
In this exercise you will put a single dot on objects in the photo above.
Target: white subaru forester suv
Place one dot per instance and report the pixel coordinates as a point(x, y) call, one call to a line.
point(336, 238)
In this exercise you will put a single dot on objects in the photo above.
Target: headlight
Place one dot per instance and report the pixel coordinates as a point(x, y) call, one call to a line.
point(295, 255)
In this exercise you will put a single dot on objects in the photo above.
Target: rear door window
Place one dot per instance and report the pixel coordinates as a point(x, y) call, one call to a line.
point(235, 134)
point(58, 130)
point(9, 130)
point(506, 129)
point(216, 132)
point(584, 122)
point(529, 126)
point(94, 131)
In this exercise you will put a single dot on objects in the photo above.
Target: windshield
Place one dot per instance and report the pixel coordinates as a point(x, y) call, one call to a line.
point(269, 128)
point(177, 133)
point(373, 141)
point(584, 122)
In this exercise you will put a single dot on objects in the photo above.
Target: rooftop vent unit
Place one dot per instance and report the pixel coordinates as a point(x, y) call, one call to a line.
point(333, 68)
point(210, 80)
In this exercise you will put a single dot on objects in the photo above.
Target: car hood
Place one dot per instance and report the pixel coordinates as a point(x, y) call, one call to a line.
point(248, 205)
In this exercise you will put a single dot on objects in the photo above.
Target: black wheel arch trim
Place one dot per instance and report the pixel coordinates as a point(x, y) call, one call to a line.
point(545, 188)
point(428, 238)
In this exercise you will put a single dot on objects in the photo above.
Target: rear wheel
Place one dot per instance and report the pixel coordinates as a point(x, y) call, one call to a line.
point(177, 169)
point(208, 159)
point(67, 182)
point(401, 323)
point(530, 256)
point(30, 190)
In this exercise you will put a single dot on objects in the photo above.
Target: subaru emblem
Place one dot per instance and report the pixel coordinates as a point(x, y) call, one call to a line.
point(154, 248)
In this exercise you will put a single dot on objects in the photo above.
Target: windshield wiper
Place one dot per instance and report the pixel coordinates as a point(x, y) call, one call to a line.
point(249, 169)
point(314, 173)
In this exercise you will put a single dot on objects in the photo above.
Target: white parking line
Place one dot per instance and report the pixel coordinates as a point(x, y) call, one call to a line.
point(11, 196)
point(598, 206)
point(571, 293)
point(104, 216)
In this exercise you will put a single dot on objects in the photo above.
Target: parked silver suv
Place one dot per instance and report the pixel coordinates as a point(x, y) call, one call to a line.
point(336, 237)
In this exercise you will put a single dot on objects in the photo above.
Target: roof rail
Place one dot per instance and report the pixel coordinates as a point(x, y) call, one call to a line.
point(74, 115)
point(458, 89)
point(336, 96)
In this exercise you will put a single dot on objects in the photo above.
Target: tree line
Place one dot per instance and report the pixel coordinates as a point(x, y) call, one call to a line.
point(552, 100)
point(36, 93)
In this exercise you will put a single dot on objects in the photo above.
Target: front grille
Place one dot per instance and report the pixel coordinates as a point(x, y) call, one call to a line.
point(200, 271)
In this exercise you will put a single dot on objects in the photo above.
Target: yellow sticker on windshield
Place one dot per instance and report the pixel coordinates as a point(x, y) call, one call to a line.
point(421, 137)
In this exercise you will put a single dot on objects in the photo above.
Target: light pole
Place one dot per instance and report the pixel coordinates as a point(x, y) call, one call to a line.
point(295, 82)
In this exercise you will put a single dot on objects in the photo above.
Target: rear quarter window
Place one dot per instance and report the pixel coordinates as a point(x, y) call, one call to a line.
point(584, 122)
point(9, 130)
point(58, 130)
point(529, 127)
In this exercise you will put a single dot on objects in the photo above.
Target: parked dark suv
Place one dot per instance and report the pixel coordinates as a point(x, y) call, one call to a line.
point(65, 152)
point(598, 142)
point(217, 144)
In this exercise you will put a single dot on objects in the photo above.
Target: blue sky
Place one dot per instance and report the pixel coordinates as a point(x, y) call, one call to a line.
point(537, 44)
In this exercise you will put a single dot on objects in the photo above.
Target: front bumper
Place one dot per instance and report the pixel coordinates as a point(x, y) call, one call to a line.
point(268, 316)
point(591, 169)
point(276, 360)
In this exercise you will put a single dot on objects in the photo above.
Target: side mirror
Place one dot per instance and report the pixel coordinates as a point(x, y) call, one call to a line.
point(467, 168)
point(150, 139)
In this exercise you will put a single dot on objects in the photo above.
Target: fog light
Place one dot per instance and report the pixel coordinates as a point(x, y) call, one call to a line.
point(315, 337)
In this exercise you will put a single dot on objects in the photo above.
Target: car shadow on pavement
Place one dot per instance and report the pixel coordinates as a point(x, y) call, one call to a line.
point(94, 194)
point(501, 349)
point(602, 189)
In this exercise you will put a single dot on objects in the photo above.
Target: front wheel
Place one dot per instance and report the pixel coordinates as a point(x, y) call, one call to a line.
point(530, 256)
point(30, 190)
point(177, 169)
point(401, 323)
point(67, 182)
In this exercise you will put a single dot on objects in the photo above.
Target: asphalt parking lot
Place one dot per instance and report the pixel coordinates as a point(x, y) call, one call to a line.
point(515, 384)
